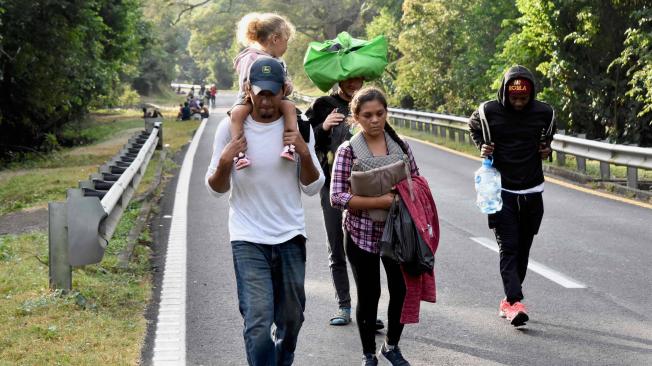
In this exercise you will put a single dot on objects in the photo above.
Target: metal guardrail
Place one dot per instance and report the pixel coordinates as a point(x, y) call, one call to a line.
point(81, 227)
point(456, 128)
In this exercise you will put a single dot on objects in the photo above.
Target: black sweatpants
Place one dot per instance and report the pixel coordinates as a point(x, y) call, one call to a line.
point(336, 255)
point(515, 227)
point(366, 273)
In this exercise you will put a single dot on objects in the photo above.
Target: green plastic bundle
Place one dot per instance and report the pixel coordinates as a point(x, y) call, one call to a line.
point(327, 63)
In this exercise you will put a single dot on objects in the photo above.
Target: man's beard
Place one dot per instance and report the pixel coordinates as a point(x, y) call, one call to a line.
point(266, 115)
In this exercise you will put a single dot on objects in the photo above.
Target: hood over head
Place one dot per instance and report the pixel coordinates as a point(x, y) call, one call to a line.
point(515, 72)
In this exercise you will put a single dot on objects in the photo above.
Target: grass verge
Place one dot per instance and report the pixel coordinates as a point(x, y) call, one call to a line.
point(101, 322)
point(34, 183)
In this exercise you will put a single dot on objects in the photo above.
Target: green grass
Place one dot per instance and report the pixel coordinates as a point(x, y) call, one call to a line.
point(40, 180)
point(166, 98)
point(100, 322)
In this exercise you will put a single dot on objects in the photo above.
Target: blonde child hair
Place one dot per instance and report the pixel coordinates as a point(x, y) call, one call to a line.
point(258, 27)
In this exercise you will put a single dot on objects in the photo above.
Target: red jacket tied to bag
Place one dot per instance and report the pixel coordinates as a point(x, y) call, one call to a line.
point(423, 211)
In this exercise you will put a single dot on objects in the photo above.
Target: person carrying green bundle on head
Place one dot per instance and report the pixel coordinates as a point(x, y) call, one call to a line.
point(342, 65)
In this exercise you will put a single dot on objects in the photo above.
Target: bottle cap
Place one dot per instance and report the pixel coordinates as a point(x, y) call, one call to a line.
point(487, 162)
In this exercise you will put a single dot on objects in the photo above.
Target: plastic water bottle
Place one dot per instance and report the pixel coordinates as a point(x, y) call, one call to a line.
point(488, 188)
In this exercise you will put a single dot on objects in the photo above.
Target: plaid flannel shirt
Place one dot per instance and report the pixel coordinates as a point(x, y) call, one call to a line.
point(363, 230)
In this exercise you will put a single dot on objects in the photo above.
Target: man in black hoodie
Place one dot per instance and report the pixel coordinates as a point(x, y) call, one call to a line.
point(517, 134)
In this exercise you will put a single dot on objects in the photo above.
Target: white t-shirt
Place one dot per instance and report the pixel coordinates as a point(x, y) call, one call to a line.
point(265, 201)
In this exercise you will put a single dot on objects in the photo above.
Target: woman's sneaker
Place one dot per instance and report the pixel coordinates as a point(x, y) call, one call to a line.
point(369, 359)
point(393, 355)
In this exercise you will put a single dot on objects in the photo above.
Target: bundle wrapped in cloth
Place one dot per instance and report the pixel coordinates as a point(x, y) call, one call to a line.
point(327, 63)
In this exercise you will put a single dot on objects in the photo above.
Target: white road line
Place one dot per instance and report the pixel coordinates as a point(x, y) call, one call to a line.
point(547, 272)
point(170, 342)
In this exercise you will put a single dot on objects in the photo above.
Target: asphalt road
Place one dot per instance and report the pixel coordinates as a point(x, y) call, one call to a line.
point(601, 243)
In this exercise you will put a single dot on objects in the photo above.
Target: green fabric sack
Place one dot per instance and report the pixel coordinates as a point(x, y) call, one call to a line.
point(327, 63)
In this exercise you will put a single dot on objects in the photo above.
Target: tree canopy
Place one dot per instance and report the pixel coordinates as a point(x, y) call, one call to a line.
point(592, 59)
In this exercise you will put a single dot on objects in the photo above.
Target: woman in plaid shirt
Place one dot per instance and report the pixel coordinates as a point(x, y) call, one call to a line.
point(369, 110)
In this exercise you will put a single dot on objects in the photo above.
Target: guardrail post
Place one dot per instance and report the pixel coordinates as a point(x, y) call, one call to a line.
point(581, 164)
point(632, 177)
point(461, 137)
point(605, 171)
point(60, 271)
point(442, 132)
point(561, 158)
point(420, 127)
point(451, 134)
point(434, 130)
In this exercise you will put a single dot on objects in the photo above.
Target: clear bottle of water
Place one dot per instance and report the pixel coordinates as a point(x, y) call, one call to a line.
point(488, 188)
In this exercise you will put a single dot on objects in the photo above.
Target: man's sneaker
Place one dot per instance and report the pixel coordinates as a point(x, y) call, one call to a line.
point(369, 359)
point(503, 308)
point(393, 355)
point(517, 314)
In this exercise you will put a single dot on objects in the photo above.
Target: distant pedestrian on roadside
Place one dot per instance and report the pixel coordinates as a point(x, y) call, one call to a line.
point(519, 129)
point(207, 97)
point(327, 116)
point(369, 111)
point(266, 216)
point(213, 94)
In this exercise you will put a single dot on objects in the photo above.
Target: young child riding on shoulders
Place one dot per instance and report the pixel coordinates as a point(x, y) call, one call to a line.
point(264, 35)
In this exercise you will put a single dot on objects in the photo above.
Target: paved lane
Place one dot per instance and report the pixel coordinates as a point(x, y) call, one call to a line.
point(598, 242)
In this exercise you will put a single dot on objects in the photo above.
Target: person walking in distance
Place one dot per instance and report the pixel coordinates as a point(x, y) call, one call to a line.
point(521, 130)
point(266, 217)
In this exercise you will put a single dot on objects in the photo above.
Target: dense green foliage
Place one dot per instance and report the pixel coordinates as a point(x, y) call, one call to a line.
point(57, 58)
point(592, 59)
point(60, 58)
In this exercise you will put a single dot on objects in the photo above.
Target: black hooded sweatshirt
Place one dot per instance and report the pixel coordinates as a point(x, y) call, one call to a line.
point(516, 134)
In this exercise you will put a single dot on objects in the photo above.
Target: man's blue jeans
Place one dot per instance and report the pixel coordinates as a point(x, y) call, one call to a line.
point(270, 282)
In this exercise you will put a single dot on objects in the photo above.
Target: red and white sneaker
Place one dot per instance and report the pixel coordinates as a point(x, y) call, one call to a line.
point(503, 308)
point(517, 314)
